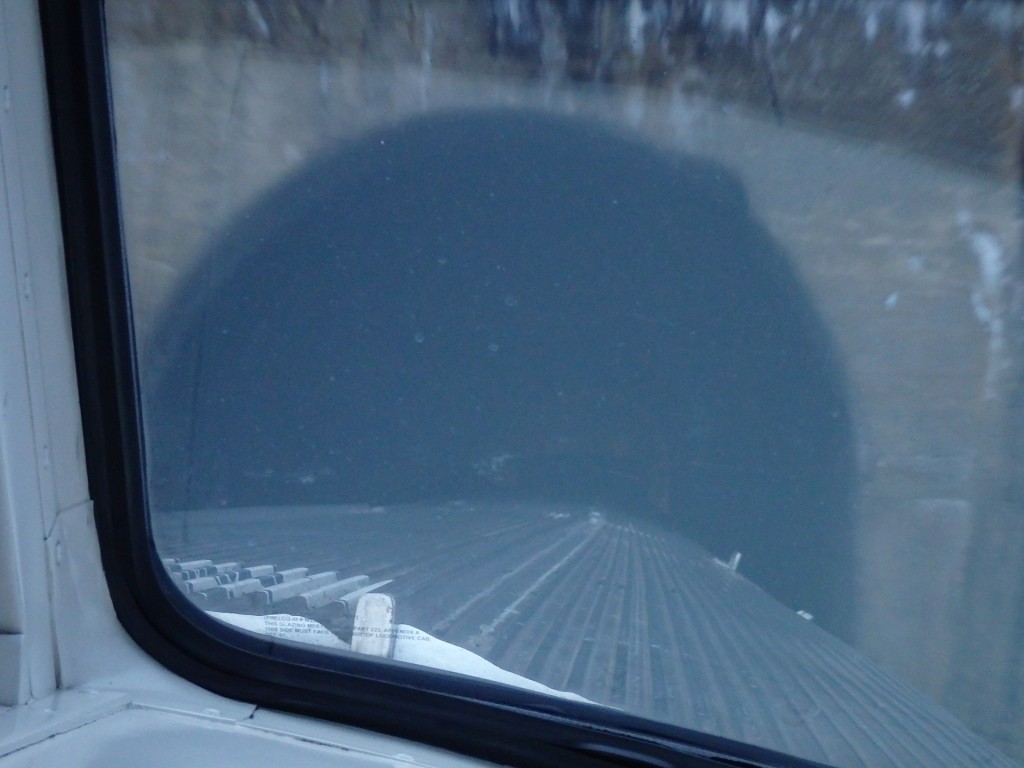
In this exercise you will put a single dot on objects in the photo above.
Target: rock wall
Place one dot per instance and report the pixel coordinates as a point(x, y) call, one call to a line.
point(895, 71)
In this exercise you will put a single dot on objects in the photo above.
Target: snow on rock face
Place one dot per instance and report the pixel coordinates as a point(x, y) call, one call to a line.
point(774, 20)
point(912, 17)
point(988, 298)
point(1016, 97)
point(734, 18)
point(636, 20)
point(906, 98)
point(989, 252)
point(990, 261)
point(871, 24)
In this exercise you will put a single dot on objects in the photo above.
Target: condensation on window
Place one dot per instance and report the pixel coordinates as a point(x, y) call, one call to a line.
point(662, 355)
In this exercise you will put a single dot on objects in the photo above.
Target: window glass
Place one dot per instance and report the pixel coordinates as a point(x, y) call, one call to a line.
point(660, 355)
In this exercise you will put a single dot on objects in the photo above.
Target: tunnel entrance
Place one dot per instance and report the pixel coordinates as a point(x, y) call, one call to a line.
point(513, 306)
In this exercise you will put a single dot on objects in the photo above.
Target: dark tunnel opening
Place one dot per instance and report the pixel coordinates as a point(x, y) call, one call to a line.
point(513, 306)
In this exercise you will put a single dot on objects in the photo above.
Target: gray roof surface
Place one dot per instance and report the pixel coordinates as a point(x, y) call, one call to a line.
point(632, 617)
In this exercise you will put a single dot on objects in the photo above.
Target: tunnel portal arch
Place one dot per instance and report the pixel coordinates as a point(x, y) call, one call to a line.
point(514, 305)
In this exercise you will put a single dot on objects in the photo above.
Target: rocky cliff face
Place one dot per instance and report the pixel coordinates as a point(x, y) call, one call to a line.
point(941, 76)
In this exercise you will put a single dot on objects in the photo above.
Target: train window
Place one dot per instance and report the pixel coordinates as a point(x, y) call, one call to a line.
point(655, 364)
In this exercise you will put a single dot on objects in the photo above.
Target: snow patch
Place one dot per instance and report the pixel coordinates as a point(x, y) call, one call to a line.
point(871, 25)
point(515, 14)
point(636, 21)
point(988, 299)
point(734, 18)
point(1017, 98)
point(913, 17)
point(773, 23)
point(414, 646)
point(252, 10)
point(991, 261)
